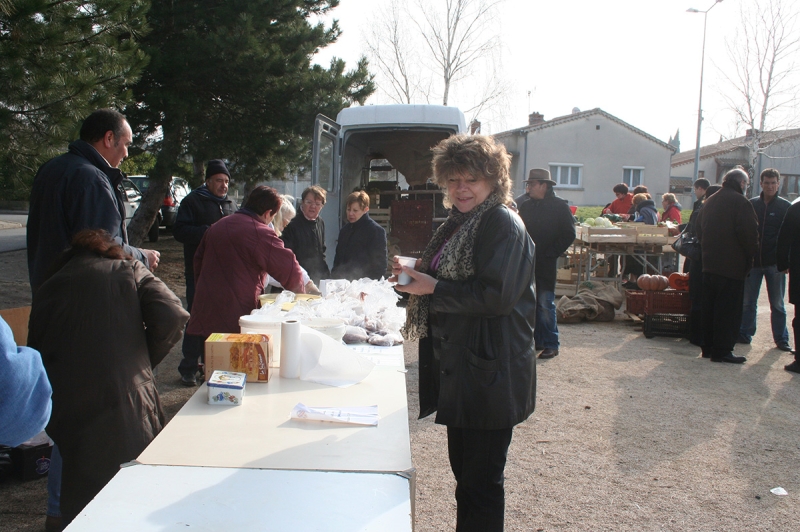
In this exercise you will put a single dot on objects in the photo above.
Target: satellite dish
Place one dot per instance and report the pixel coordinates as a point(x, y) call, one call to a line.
point(575, 110)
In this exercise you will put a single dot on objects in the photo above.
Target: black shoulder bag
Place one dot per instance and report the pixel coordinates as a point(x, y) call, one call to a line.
point(687, 244)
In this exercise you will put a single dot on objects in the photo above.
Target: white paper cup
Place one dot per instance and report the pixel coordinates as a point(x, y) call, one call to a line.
point(404, 278)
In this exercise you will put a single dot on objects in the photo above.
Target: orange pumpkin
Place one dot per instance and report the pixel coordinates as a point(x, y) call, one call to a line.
point(652, 282)
point(679, 281)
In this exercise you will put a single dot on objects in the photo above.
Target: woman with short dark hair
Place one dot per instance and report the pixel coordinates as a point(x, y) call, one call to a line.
point(361, 249)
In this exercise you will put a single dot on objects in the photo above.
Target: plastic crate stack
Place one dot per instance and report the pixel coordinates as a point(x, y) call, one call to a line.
point(666, 313)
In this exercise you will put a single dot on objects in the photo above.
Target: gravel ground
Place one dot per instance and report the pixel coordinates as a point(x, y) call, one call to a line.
point(628, 433)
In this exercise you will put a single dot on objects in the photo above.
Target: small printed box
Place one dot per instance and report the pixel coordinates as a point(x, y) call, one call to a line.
point(226, 388)
point(249, 353)
point(31, 461)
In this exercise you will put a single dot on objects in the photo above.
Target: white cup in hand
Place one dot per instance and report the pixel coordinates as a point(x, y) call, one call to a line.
point(403, 277)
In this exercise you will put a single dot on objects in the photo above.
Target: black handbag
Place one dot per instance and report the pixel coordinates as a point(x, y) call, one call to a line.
point(687, 244)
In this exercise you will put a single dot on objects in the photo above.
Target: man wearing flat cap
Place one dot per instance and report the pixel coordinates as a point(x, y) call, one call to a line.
point(552, 228)
point(198, 211)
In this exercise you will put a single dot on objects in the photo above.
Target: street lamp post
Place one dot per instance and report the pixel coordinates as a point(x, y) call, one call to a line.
point(700, 103)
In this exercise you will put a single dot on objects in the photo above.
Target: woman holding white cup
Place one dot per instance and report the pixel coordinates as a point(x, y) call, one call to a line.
point(472, 307)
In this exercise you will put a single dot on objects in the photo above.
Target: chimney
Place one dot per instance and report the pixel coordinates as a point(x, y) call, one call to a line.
point(535, 118)
point(750, 133)
point(474, 127)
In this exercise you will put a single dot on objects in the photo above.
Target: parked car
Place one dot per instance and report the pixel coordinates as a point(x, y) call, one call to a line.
point(133, 198)
point(178, 189)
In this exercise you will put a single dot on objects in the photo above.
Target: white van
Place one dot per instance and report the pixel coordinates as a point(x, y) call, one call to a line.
point(385, 150)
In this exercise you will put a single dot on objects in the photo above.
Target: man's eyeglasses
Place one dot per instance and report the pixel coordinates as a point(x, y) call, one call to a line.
point(313, 203)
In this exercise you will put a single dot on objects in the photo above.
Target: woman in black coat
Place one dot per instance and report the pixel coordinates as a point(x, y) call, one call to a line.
point(361, 249)
point(789, 261)
point(472, 307)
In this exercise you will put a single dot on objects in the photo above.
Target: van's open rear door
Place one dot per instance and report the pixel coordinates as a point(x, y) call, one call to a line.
point(325, 173)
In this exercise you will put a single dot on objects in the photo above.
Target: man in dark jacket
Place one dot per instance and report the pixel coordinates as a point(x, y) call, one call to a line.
point(700, 187)
point(770, 210)
point(551, 226)
point(788, 260)
point(201, 208)
point(361, 249)
point(305, 234)
point(81, 189)
point(727, 229)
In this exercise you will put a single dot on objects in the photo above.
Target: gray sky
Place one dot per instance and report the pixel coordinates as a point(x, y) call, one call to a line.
point(636, 59)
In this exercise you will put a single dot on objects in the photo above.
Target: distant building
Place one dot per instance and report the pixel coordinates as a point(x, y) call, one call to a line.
point(779, 149)
point(588, 152)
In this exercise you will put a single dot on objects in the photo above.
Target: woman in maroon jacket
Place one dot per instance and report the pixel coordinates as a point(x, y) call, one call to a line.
point(230, 269)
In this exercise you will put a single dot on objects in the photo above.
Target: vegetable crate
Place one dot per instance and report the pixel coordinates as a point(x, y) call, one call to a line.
point(613, 235)
point(666, 312)
point(658, 301)
point(666, 325)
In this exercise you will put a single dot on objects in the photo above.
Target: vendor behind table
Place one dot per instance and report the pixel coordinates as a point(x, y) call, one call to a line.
point(230, 267)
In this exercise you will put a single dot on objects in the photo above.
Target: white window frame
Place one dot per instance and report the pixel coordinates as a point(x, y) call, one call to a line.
point(557, 176)
point(641, 175)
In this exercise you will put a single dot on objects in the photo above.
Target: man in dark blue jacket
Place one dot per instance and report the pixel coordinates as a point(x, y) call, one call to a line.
point(361, 249)
point(79, 190)
point(770, 210)
point(552, 228)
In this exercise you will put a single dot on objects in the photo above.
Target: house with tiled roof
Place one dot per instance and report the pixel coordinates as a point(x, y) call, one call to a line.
point(587, 153)
point(778, 149)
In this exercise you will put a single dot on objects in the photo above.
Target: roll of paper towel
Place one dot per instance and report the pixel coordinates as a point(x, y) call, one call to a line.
point(290, 349)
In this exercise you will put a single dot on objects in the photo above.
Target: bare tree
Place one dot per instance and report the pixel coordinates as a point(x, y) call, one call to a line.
point(392, 50)
point(445, 50)
point(761, 88)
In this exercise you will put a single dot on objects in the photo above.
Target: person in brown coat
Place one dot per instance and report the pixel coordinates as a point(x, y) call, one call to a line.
point(102, 322)
point(727, 229)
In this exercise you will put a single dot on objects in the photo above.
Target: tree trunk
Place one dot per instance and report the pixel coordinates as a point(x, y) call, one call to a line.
point(160, 177)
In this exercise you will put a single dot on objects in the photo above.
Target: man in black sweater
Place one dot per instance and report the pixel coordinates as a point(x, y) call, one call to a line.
point(201, 208)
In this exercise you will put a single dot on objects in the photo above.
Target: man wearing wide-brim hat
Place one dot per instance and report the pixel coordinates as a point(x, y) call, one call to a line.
point(552, 228)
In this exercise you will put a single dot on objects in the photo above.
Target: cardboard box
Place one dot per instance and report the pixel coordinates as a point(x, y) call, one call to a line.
point(226, 388)
point(31, 461)
point(250, 354)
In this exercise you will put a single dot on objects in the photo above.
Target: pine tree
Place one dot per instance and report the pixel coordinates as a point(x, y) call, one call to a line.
point(232, 79)
point(59, 61)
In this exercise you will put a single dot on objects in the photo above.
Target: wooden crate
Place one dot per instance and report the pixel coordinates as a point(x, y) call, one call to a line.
point(609, 235)
point(382, 217)
point(652, 234)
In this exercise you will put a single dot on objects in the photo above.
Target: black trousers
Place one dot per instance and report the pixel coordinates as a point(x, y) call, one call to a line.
point(722, 313)
point(696, 297)
point(796, 331)
point(193, 353)
point(478, 458)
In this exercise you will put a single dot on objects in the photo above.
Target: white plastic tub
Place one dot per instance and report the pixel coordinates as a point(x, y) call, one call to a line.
point(264, 325)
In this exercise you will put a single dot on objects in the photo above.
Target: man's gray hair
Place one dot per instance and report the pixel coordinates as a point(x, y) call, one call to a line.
point(737, 175)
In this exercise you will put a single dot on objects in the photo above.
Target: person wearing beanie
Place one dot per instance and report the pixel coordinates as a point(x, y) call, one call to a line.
point(198, 211)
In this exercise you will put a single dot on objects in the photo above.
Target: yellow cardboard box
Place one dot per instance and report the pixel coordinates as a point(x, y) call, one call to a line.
point(243, 353)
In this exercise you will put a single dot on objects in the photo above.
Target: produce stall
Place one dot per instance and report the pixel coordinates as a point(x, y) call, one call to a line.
point(595, 246)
